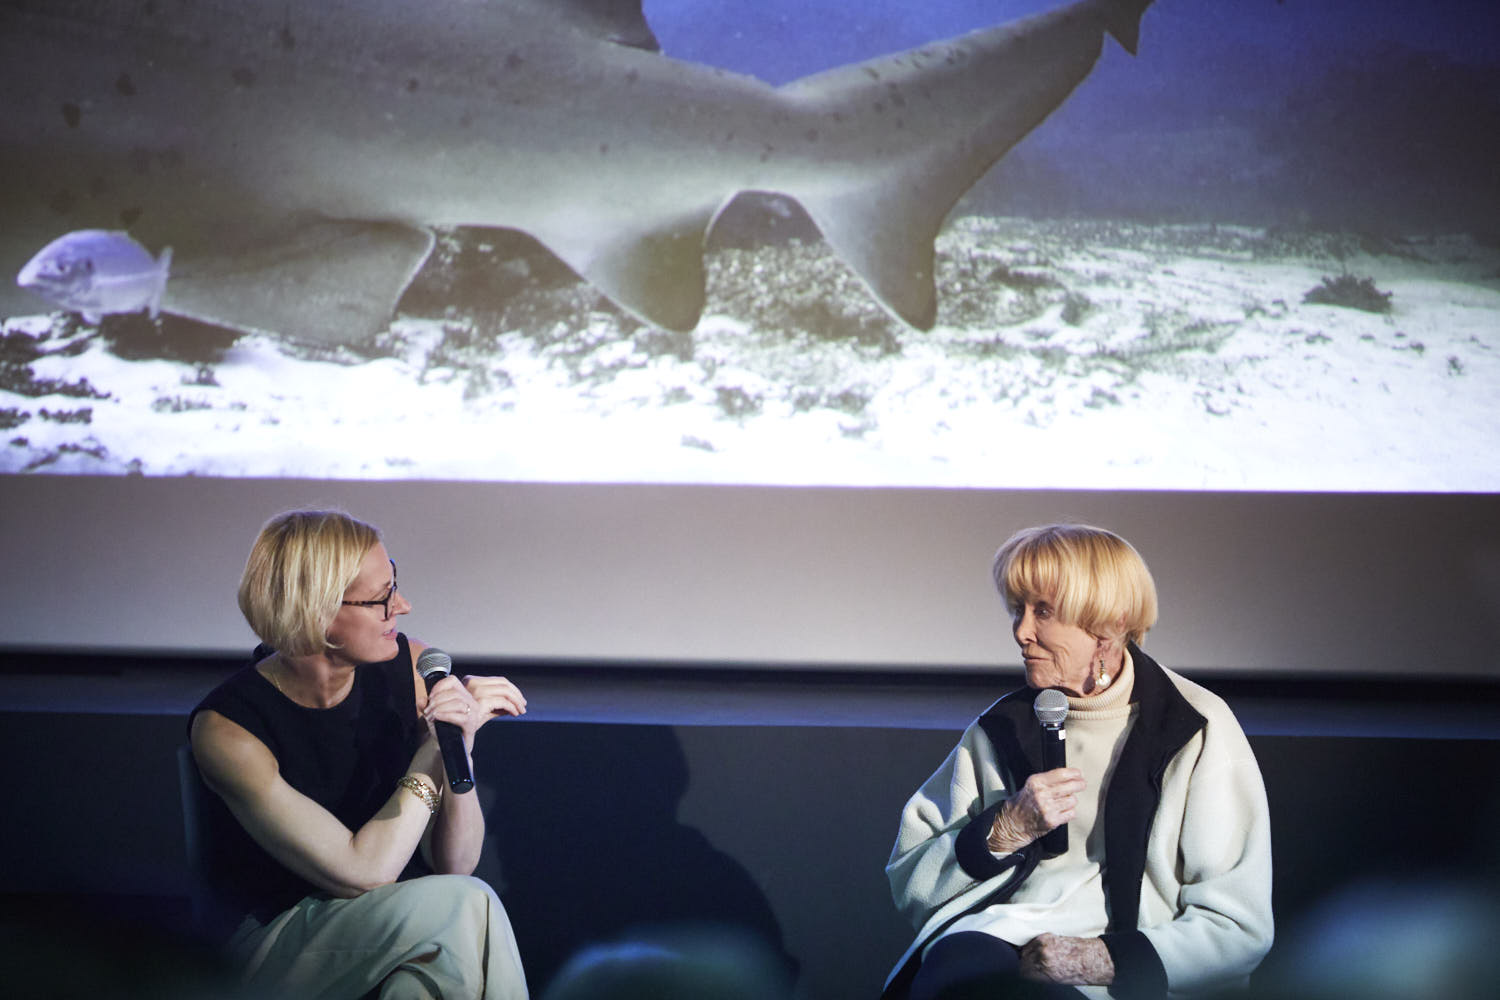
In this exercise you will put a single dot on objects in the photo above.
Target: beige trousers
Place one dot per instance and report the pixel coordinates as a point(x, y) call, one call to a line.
point(440, 937)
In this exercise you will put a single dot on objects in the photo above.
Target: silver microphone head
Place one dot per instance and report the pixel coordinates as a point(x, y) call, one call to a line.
point(1051, 708)
point(434, 664)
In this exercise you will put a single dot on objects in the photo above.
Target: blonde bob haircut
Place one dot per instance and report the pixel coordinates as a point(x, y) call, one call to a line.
point(299, 568)
point(1093, 578)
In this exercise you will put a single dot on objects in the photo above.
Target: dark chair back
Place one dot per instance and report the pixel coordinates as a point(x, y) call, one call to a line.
point(194, 803)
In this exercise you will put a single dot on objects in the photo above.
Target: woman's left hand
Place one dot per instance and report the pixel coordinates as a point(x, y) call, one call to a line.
point(494, 696)
point(472, 702)
point(1072, 961)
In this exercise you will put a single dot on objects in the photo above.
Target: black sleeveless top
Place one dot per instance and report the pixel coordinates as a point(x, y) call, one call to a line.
point(346, 758)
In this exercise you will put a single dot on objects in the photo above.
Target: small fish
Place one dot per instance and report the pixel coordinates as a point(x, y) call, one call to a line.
point(97, 272)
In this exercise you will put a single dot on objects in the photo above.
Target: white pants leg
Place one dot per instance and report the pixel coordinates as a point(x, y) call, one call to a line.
point(441, 937)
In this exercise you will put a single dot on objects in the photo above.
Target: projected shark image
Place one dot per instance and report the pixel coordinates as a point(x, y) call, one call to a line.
point(574, 240)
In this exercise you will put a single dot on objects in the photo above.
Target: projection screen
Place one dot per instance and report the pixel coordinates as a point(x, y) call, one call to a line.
point(746, 332)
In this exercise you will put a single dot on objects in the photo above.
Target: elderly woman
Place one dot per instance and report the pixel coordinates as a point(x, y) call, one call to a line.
point(1165, 884)
point(339, 860)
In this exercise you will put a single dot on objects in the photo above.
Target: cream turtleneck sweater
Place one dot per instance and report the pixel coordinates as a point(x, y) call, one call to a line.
point(1065, 895)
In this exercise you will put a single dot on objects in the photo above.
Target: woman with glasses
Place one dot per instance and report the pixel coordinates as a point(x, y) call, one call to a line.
point(339, 862)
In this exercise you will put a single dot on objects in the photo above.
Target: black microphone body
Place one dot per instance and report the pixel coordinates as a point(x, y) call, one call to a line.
point(1051, 707)
point(434, 665)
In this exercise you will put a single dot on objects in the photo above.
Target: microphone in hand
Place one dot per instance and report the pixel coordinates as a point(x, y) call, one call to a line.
point(433, 665)
point(1051, 707)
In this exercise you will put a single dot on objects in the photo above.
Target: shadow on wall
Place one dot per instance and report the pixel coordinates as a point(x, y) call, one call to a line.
point(1343, 810)
point(585, 846)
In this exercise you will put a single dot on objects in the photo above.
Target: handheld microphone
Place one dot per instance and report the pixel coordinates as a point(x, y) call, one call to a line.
point(1051, 708)
point(434, 665)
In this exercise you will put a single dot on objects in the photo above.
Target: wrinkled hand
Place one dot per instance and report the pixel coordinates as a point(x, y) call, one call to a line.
point(1072, 961)
point(472, 702)
point(1047, 800)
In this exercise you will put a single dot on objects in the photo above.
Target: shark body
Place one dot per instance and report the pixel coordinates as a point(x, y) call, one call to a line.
point(298, 156)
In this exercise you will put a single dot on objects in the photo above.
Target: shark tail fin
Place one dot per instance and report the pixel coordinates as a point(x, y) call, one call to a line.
point(1122, 19)
point(163, 271)
point(924, 126)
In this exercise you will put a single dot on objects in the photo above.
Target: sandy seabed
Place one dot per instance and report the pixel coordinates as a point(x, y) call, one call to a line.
point(1066, 355)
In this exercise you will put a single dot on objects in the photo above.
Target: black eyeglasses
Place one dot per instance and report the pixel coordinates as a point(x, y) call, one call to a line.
point(384, 603)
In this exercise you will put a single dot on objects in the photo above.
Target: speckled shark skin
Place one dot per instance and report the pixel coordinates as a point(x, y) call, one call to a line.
point(297, 156)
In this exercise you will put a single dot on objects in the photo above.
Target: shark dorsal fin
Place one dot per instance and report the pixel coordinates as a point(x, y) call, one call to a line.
point(618, 21)
point(1123, 21)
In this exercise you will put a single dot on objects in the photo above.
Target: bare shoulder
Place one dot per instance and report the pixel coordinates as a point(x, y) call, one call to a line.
point(229, 757)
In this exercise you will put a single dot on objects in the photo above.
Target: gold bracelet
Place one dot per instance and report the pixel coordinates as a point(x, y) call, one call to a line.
point(421, 790)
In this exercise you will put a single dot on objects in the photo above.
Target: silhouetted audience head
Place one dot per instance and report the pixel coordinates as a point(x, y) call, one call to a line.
point(1390, 939)
point(676, 964)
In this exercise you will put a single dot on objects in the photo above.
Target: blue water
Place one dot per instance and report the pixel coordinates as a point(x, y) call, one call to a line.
point(1378, 115)
point(1241, 41)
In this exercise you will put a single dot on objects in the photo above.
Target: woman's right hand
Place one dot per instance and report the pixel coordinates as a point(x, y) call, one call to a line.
point(1047, 800)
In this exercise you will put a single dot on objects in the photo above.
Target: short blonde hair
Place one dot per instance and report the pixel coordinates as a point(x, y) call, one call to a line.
point(1093, 577)
point(299, 568)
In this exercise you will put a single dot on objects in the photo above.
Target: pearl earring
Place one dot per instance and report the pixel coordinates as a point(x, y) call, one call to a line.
point(1102, 679)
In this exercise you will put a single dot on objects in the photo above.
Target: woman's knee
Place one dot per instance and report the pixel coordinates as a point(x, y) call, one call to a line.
point(440, 890)
point(461, 886)
point(968, 965)
point(436, 904)
point(464, 918)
